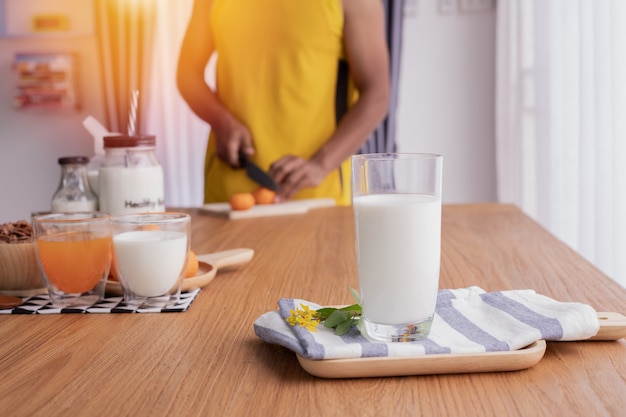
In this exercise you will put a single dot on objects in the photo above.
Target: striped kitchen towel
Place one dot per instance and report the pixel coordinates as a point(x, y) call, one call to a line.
point(467, 320)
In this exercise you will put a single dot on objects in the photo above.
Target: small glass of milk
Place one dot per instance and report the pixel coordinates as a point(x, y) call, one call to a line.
point(396, 200)
point(150, 252)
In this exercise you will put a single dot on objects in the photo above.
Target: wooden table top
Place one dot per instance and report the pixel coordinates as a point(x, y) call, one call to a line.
point(207, 361)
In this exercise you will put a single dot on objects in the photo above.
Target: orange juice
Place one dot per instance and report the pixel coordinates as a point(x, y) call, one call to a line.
point(74, 263)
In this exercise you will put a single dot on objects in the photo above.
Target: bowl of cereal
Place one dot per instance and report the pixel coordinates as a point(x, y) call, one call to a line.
point(19, 271)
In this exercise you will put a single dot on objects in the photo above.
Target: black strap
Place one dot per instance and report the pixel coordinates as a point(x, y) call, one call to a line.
point(341, 101)
point(341, 91)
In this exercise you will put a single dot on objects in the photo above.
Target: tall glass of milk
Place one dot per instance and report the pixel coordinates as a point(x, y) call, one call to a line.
point(396, 200)
point(150, 252)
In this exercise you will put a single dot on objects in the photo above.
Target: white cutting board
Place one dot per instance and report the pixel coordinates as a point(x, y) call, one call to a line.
point(264, 210)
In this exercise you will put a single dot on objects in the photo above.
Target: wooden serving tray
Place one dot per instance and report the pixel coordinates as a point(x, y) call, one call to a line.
point(612, 327)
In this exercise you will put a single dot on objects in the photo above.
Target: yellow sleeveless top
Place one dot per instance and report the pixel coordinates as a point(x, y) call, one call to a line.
point(277, 73)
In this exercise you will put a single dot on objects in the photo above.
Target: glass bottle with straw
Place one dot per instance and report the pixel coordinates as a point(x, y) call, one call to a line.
point(131, 178)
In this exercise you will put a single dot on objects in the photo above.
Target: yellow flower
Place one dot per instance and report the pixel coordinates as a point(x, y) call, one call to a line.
point(304, 317)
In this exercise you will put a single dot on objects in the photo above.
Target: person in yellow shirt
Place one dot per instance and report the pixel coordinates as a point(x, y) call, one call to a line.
point(300, 85)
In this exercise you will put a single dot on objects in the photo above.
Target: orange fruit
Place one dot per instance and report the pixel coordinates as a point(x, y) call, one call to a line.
point(149, 227)
point(192, 265)
point(264, 196)
point(241, 201)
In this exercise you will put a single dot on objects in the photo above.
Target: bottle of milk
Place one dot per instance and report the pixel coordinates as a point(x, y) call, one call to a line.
point(74, 192)
point(130, 179)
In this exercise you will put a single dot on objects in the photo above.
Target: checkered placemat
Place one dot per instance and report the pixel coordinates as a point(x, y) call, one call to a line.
point(40, 304)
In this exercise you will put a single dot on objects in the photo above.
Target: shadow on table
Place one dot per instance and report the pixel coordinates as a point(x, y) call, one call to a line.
point(277, 360)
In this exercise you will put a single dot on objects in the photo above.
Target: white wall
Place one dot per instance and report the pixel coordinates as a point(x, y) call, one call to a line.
point(447, 97)
point(32, 140)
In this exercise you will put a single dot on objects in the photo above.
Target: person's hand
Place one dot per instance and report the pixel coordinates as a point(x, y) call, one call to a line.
point(293, 173)
point(231, 138)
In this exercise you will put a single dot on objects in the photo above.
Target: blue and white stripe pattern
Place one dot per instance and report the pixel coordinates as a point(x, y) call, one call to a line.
point(467, 320)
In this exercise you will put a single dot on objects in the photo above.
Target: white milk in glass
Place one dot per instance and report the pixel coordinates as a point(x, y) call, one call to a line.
point(150, 262)
point(399, 249)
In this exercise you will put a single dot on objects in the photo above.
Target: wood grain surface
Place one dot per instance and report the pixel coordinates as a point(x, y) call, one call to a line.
point(208, 362)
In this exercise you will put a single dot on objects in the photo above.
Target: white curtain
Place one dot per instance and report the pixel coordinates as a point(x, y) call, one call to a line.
point(181, 136)
point(561, 121)
point(125, 31)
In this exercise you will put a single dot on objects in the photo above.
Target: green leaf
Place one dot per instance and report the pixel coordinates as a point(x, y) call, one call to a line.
point(355, 294)
point(335, 318)
point(325, 312)
point(354, 308)
point(343, 327)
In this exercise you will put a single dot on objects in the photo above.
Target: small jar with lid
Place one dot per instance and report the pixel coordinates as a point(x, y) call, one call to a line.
point(130, 179)
point(74, 193)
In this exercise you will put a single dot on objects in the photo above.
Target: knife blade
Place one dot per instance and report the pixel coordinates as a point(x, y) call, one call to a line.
point(256, 174)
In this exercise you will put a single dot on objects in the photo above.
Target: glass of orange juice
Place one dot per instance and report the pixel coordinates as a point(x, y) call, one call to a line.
point(74, 254)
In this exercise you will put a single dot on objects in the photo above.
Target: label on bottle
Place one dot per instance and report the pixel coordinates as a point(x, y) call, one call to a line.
point(123, 190)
